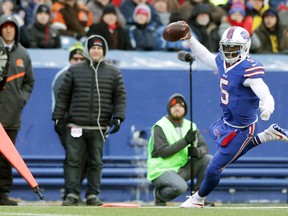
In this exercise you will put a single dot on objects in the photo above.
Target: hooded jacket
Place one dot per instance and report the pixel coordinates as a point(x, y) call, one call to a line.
point(264, 35)
point(206, 35)
point(43, 36)
point(19, 83)
point(91, 92)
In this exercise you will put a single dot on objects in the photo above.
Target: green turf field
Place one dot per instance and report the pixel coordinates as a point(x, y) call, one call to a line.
point(147, 210)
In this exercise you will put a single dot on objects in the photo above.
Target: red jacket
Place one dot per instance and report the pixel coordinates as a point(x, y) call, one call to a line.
point(246, 23)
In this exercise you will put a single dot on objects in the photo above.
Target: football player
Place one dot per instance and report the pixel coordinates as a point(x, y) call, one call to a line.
point(242, 92)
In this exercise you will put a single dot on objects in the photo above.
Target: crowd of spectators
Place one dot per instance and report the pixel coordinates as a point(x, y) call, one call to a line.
point(138, 24)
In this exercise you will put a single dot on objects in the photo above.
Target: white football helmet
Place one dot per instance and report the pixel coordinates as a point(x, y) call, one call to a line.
point(235, 44)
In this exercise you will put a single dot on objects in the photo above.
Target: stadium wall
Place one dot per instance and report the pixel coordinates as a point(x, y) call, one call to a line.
point(150, 78)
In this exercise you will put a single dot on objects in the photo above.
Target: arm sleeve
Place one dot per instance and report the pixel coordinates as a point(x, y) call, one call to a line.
point(202, 53)
point(162, 147)
point(262, 91)
point(28, 82)
point(202, 147)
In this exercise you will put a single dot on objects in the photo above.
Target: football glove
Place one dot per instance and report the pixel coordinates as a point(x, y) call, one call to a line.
point(266, 110)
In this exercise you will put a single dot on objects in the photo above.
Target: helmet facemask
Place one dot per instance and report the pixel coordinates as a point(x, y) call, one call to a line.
point(234, 44)
point(231, 53)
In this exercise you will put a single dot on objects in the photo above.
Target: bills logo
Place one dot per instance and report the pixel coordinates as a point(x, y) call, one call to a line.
point(245, 35)
point(216, 133)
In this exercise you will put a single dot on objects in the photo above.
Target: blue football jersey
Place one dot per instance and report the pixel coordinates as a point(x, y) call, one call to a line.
point(239, 103)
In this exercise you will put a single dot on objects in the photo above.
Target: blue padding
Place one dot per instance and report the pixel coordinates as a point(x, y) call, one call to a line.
point(132, 182)
point(246, 182)
point(119, 172)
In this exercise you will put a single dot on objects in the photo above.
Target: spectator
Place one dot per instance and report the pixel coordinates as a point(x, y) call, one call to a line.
point(75, 56)
point(164, 9)
point(111, 29)
point(171, 46)
point(203, 28)
point(13, 96)
point(273, 36)
point(143, 36)
point(92, 93)
point(237, 17)
point(127, 8)
point(257, 8)
point(41, 33)
point(71, 18)
point(216, 12)
point(96, 7)
point(29, 8)
point(168, 164)
point(8, 8)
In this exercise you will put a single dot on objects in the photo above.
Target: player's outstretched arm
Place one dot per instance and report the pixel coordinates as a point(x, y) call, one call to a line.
point(262, 91)
point(200, 51)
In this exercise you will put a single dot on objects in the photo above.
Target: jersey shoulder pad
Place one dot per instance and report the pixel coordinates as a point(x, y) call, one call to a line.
point(253, 68)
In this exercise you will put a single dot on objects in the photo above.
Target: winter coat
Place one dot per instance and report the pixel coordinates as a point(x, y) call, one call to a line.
point(19, 83)
point(43, 36)
point(264, 36)
point(91, 91)
point(143, 37)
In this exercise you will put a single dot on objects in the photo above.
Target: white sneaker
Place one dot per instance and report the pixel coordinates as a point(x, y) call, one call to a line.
point(275, 132)
point(192, 203)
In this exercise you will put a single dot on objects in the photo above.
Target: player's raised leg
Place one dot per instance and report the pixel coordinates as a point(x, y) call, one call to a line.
point(274, 132)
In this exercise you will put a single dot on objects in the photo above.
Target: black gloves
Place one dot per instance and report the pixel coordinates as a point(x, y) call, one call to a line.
point(193, 152)
point(115, 125)
point(2, 83)
point(60, 126)
point(190, 137)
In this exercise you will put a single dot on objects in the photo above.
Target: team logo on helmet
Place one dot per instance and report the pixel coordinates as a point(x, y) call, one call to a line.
point(245, 35)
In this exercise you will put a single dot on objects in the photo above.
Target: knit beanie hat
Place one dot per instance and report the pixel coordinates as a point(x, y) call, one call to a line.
point(76, 48)
point(270, 11)
point(237, 7)
point(96, 41)
point(142, 9)
point(43, 8)
point(200, 9)
point(176, 16)
point(174, 99)
point(108, 9)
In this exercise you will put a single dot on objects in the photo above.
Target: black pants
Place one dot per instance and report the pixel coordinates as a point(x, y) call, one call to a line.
point(6, 177)
point(90, 141)
point(84, 168)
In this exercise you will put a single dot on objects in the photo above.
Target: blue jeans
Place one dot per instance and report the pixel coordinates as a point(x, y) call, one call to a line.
point(91, 141)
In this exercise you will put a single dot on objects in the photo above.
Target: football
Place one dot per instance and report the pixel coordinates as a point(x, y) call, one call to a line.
point(174, 31)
